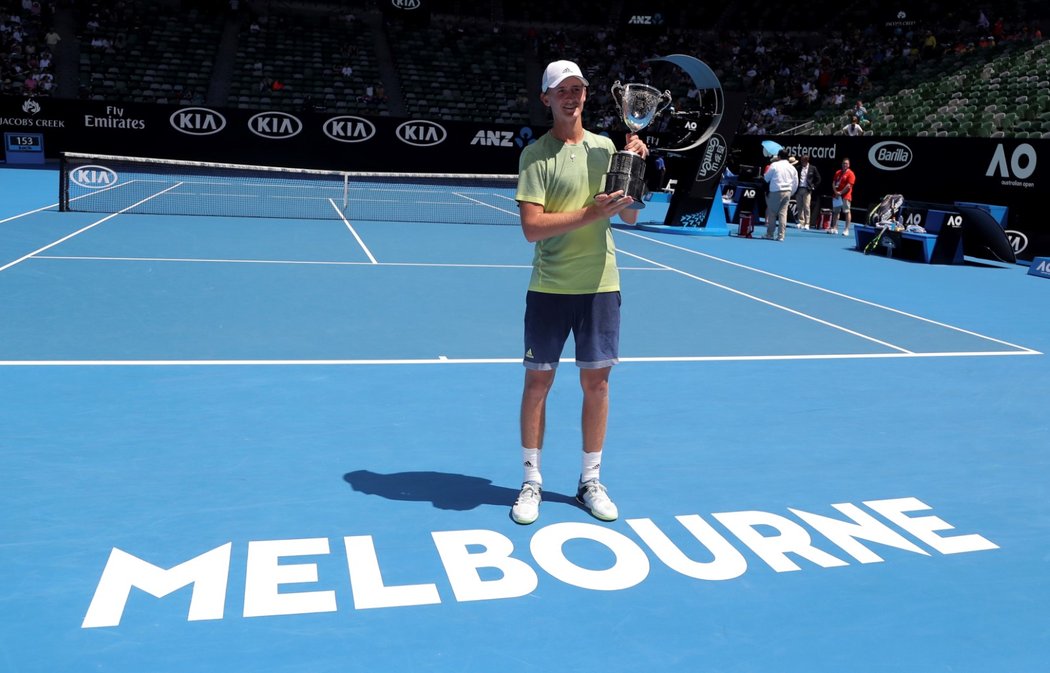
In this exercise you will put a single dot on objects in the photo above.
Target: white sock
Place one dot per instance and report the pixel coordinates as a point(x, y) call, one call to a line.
point(530, 459)
point(592, 464)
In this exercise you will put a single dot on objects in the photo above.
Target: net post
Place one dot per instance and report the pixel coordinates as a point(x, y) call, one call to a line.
point(346, 191)
point(63, 185)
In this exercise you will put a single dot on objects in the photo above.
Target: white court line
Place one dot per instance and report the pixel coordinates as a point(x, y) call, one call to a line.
point(443, 360)
point(306, 262)
point(482, 203)
point(831, 292)
point(348, 226)
point(82, 230)
point(76, 198)
point(773, 304)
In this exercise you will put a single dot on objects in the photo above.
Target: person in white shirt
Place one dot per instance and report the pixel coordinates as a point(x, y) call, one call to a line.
point(783, 181)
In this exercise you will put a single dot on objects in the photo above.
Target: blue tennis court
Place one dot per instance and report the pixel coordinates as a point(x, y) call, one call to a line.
point(292, 444)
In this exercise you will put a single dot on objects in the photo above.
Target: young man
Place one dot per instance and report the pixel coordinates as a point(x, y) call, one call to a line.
point(842, 195)
point(575, 285)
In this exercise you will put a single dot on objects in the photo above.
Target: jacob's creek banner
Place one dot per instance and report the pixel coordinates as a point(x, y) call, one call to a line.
point(1010, 172)
point(300, 140)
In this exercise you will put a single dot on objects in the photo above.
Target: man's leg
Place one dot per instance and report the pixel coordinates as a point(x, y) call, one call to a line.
point(526, 508)
point(595, 384)
point(591, 492)
point(782, 214)
point(534, 406)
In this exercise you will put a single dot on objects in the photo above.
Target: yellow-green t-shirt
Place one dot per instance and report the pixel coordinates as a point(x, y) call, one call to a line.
point(561, 178)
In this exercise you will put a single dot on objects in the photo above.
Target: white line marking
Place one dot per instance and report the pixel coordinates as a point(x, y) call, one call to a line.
point(824, 289)
point(492, 361)
point(359, 241)
point(482, 203)
point(82, 230)
point(76, 198)
point(772, 304)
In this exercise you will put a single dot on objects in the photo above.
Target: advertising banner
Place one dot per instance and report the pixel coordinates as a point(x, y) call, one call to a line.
point(298, 140)
point(1006, 172)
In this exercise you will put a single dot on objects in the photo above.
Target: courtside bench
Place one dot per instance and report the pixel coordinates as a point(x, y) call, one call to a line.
point(943, 241)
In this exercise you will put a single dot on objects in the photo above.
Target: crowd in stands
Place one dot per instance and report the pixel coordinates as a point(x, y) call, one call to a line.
point(788, 76)
point(27, 44)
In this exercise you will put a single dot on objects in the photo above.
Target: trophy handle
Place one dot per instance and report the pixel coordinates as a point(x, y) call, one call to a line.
point(667, 99)
point(617, 93)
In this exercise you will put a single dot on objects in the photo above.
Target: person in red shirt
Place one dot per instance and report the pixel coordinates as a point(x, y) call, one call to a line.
point(841, 196)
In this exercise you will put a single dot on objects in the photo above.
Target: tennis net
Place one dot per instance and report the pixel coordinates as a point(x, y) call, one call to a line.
point(111, 184)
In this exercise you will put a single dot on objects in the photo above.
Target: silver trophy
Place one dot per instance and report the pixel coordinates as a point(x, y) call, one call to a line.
point(638, 104)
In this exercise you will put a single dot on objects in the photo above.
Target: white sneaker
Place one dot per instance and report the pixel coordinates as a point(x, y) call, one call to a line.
point(594, 497)
point(526, 508)
point(845, 233)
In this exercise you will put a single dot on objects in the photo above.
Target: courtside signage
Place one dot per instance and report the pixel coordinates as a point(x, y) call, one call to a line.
point(890, 155)
point(421, 133)
point(275, 125)
point(349, 129)
point(93, 177)
point(484, 564)
point(197, 121)
point(1040, 267)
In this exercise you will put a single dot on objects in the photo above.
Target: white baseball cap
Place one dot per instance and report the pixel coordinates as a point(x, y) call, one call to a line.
point(558, 71)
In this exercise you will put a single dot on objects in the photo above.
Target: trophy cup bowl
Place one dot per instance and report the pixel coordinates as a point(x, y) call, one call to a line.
point(638, 105)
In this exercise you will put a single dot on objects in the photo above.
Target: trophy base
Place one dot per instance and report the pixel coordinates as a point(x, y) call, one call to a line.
point(627, 174)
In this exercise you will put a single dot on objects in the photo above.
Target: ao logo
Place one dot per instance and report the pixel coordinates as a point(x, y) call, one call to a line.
point(1021, 166)
point(890, 155)
point(275, 125)
point(197, 121)
point(421, 133)
point(349, 129)
point(93, 177)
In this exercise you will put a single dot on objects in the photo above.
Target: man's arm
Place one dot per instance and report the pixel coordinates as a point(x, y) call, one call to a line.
point(537, 224)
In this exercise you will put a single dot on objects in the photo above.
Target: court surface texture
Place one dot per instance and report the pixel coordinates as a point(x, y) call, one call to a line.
point(249, 444)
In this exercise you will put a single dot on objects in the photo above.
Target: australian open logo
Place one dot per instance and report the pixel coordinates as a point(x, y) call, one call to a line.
point(197, 121)
point(890, 155)
point(349, 129)
point(421, 133)
point(275, 125)
point(93, 176)
point(714, 158)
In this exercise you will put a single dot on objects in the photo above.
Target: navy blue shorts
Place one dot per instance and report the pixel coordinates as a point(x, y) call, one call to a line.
point(593, 319)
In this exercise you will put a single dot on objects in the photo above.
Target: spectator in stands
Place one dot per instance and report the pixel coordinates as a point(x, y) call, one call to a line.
point(842, 197)
point(578, 289)
point(808, 182)
point(782, 179)
point(853, 128)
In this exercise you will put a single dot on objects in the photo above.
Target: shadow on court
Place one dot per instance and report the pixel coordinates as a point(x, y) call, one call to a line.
point(443, 490)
